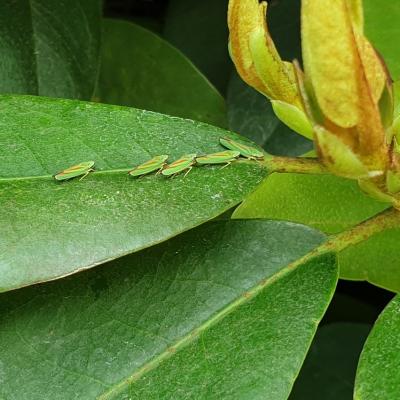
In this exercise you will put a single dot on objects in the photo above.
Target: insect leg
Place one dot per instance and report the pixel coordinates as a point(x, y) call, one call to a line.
point(228, 163)
point(189, 169)
point(85, 175)
point(160, 169)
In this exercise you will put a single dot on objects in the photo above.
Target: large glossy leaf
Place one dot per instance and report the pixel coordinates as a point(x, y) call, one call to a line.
point(326, 202)
point(200, 31)
point(378, 373)
point(330, 367)
point(375, 260)
point(382, 28)
point(49, 47)
point(222, 311)
point(142, 70)
point(50, 229)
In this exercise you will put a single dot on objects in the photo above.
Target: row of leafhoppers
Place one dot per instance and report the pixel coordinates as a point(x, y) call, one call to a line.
point(159, 164)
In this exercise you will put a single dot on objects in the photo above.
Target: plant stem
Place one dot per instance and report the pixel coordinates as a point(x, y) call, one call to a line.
point(295, 165)
point(388, 219)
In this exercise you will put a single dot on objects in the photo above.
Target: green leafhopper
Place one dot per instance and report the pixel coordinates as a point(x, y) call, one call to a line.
point(76, 170)
point(186, 162)
point(155, 164)
point(246, 151)
point(222, 157)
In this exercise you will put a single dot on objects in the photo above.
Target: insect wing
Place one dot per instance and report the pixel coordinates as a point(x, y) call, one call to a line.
point(218, 158)
point(245, 151)
point(179, 165)
point(76, 170)
point(152, 165)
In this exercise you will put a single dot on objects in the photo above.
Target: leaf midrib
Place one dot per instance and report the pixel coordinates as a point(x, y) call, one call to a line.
point(215, 319)
point(333, 245)
point(45, 177)
point(101, 172)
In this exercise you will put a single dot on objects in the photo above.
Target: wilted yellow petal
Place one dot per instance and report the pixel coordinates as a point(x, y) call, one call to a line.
point(338, 156)
point(373, 66)
point(254, 53)
point(330, 59)
point(276, 75)
point(346, 88)
point(357, 14)
point(372, 146)
point(243, 18)
point(307, 96)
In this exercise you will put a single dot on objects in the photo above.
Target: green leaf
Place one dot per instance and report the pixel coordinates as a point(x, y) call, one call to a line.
point(50, 47)
point(222, 311)
point(375, 260)
point(326, 202)
point(330, 367)
point(50, 229)
point(382, 28)
point(251, 114)
point(378, 373)
point(142, 70)
point(332, 205)
point(200, 31)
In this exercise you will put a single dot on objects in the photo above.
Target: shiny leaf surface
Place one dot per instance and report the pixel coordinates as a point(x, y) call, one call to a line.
point(378, 375)
point(170, 321)
point(50, 229)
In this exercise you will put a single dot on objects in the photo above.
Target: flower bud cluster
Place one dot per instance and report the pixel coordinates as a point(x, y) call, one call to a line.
point(343, 98)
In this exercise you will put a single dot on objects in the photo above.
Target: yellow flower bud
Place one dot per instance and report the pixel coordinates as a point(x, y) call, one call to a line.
point(344, 99)
point(254, 54)
point(348, 79)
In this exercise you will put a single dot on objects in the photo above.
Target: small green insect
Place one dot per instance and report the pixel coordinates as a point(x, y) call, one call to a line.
point(222, 157)
point(186, 162)
point(76, 170)
point(246, 151)
point(157, 163)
